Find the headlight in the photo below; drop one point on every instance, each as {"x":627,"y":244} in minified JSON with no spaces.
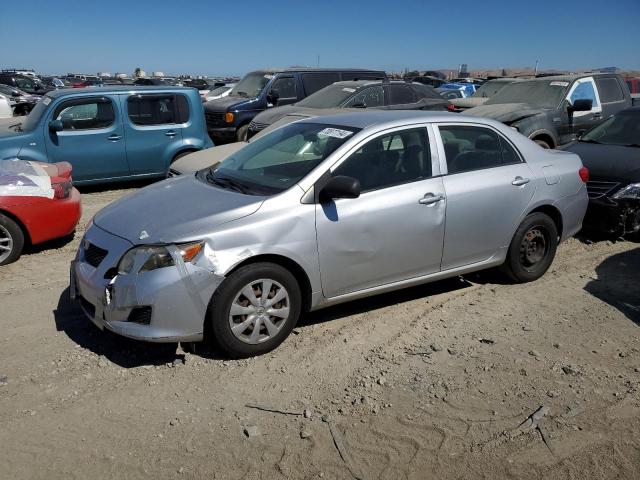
{"x":157,"y":256}
{"x":630,"y":191}
{"x":228,"y":117}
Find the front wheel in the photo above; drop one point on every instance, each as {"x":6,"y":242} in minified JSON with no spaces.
{"x":532,"y":248}
{"x":254,"y":309}
{"x":11,"y":240}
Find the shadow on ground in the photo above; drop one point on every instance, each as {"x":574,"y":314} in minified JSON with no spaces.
{"x":122,"y":351}
{"x":617,"y":283}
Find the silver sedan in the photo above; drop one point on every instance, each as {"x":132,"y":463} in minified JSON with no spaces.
{"x":322,"y":211}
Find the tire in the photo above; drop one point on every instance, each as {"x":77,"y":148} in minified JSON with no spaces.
{"x":246,"y":341}
{"x":11,"y":240}
{"x":543,"y":143}
{"x":242,"y":133}
{"x":532,"y":248}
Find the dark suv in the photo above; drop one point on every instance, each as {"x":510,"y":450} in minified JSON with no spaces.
{"x":25,"y":83}
{"x":555,"y":110}
{"x":228,"y":118}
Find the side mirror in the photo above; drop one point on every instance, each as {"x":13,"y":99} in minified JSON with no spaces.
{"x":273,"y":96}
{"x":580,"y":105}
{"x":340,"y":186}
{"x":15,"y":93}
{"x":56,"y":126}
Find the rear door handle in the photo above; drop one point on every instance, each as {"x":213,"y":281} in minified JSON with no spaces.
{"x":170,"y":133}
{"x":519,"y":181}
{"x":114,"y":137}
{"x":430,"y":199}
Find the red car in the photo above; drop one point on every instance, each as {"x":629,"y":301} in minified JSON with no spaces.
{"x":37,"y":203}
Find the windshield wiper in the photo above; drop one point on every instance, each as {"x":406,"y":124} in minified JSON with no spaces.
{"x":589,"y":141}
{"x":226,"y":182}
{"x":17,"y":126}
{"x":636,"y":145}
{"x":242,"y":94}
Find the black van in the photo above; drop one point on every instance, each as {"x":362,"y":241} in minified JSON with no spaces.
{"x":228,"y":118}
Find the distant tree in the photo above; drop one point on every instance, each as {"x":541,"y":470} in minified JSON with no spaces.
{"x":137,"y":72}
{"x":413,"y":73}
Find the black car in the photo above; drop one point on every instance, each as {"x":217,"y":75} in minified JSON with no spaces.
{"x":555,"y":110}
{"x":611,"y":152}
{"x":149,"y":81}
{"x":26,"y":83}
{"x":378,"y":94}
{"x":228,"y":118}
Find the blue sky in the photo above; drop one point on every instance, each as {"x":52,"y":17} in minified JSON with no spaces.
{"x":228,"y":37}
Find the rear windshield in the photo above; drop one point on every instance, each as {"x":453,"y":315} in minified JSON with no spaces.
{"x":539,"y":93}
{"x":621,"y":129}
{"x":328,"y":97}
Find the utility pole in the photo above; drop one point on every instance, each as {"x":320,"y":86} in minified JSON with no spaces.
{"x":535,"y":72}
{"x":318,"y":61}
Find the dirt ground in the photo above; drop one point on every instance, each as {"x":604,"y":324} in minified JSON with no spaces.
{"x":429,"y":382}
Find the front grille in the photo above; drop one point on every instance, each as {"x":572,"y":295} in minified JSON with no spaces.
{"x":94,"y":255}
{"x":140,"y":315}
{"x":597,"y":189}
{"x":215,"y":119}
{"x":88,"y":307}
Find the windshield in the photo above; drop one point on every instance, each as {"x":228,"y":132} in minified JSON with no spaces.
{"x":279,"y":160}
{"x":490,"y":88}
{"x":621,"y":129}
{"x":32,"y":120}
{"x":539,"y":93}
{"x":327,"y":97}
{"x":251,"y":84}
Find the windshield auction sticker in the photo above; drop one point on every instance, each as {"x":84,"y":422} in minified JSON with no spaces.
{"x":559,"y":84}
{"x":335,"y":133}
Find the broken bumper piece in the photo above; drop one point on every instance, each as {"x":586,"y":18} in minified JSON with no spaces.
{"x":167,"y":304}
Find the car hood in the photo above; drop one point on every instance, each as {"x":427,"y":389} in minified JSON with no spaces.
{"x":608,"y":162}
{"x":174,"y":210}
{"x":505,"y":112}
{"x":227,"y":103}
{"x":275,"y":114}
{"x":468,"y":102}
{"x":205,"y":158}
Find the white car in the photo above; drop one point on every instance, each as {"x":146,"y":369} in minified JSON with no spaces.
{"x":5,"y":107}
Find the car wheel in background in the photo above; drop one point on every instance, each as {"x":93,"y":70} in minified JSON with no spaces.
{"x":532,"y":248}
{"x":11,"y":240}
{"x":242,"y":133}
{"x":543,"y":144}
{"x":254,"y":309}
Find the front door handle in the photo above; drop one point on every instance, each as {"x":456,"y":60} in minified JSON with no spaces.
{"x":114,"y":137}
{"x":519,"y":181}
{"x":170,"y":133}
{"x":430,"y":199}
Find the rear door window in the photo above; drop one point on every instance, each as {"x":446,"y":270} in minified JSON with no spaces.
{"x":157,"y":109}
{"x":312,"y":82}
{"x":85,"y":114}
{"x":368,"y":97}
{"x":610,"y":90}
{"x":470,"y":148}
{"x":400,"y":95}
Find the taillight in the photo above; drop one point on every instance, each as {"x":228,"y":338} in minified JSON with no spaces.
{"x":62,"y":189}
{"x":584,"y":174}
{"x":451,"y":107}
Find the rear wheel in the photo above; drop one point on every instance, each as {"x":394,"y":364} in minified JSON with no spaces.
{"x":542,"y":143}
{"x":532,"y":248}
{"x":254,"y":309}
{"x":11,"y":240}
{"x":242,"y":133}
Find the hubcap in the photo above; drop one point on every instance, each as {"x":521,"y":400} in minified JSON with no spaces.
{"x":6,"y":243}
{"x":533,"y":248}
{"x":259,"y":311}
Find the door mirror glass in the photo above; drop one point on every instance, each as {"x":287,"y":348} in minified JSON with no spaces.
{"x":340,"y":186}
{"x":56,"y":126}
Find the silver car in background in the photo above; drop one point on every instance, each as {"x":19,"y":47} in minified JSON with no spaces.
{"x":322,"y":211}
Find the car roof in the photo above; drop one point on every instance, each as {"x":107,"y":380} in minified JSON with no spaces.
{"x":568,"y":77}
{"x":116,"y":89}
{"x":390,"y":118}
{"x":309,"y":69}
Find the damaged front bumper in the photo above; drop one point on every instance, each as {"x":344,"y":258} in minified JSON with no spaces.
{"x":167,"y":304}
{"x":617,"y":217}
